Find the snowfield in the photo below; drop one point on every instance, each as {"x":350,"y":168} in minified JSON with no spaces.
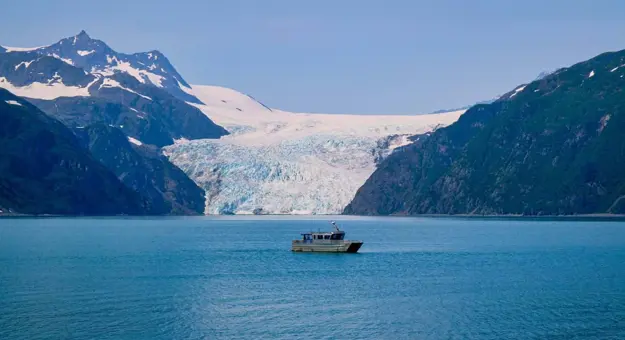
{"x":278,"y":162}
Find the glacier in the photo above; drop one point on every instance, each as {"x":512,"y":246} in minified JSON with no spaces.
{"x":278,"y":162}
{"x":317,"y":174}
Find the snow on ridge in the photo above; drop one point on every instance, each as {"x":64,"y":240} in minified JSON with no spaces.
{"x":218,"y":97}
{"x":13,"y":102}
{"x":22,"y":49}
{"x":616,"y":68}
{"x":108,"y":82}
{"x":124,"y":66}
{"x":519,"y":89}
{"x":25,"y":63}
{"x":134,"y":141}
{"x":591,"y":74}
{"x":84,"y":53}
{"x":66,"y":60}
{"x":51,"y":90}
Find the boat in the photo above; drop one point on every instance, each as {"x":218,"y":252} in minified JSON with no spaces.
{"x":325,"y":242}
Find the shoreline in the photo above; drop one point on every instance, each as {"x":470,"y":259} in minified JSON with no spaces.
{"x":515,"y":216}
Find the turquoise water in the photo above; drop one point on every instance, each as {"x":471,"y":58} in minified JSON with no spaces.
{"x":235,"y":278}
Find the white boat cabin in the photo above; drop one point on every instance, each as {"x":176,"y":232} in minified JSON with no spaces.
{"x":318,"y":236}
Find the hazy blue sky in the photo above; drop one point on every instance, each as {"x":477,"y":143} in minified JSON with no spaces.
{"x":340,"y":56}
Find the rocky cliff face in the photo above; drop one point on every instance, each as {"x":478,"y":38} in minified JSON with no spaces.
{"x":553,"y":146}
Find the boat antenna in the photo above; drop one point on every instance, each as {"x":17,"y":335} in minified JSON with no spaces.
{"x":335,"y":226}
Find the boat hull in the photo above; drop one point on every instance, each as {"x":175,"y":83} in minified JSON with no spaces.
{"x":343,"y":247}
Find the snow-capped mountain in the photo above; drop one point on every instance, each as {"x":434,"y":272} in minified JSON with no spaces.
{"x":277,"y":162}
{"x":96,"y":57}
{"x":82,"y":81}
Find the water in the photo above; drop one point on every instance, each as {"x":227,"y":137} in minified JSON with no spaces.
{"x":235,"y":278}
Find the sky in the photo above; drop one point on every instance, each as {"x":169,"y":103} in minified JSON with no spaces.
{"x":340,"y":56}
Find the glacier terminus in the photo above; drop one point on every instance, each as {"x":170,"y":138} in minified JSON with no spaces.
{"x":277,"y":162}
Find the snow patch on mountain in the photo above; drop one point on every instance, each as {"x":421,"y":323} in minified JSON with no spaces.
{"x":517,"y":90}
{"x":121,"y":66}
{"x":66,"y":60}
{"x":13,"y":102}
{"x":108,"y":82}
{"x":280,"y":162}
{"x":135,"y":141}
{"x":84,"y":53}
{"x":53,"y":89}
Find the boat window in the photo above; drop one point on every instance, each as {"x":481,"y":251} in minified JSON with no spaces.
{"x":327,"y":237}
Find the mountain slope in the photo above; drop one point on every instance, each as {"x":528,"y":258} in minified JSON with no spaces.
{"x":553,"y":146}
{"x":44,"y":170}
{"x":165,"y":188}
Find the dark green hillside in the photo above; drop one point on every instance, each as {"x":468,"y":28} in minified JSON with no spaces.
{"x":552,"y":147}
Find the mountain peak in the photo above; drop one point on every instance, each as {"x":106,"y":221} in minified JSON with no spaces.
{"x":83,"y":34}
{"x":81,"y":37}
